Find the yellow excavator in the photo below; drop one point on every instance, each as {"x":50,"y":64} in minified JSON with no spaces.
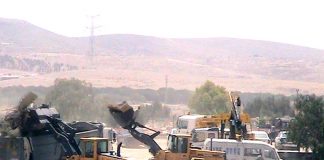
{"x":178,"y":144}
{"x":237,"y":119}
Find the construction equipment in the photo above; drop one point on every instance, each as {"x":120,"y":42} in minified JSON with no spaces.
{"x":37,"y":124}
{"x":178,"y":144}
{"x":235,"y":119}
{"x":237,"y":125}
{"x":95,"y":148}
{"x":93,"y":129}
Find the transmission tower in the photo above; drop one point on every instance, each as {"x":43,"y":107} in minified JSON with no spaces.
{"x":92,"y":36}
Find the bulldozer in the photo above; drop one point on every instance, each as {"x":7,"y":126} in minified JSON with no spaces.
{"x":178,"y":144}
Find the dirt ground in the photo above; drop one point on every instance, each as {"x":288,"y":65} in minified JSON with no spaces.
{"x":141,"y":152}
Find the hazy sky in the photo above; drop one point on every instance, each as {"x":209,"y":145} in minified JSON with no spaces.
{"x":298,"y":22}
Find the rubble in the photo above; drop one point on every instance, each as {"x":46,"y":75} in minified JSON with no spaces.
{"x":14,"y":119}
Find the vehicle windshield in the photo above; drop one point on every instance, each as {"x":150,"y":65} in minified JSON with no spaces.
{"x":102,"y":147}
{"x":177,"y":144}
{"x":284,"y":134}
{"x":182,"y":124}
{"x":261,"y":135}
{"x":198,"y":137}
{"x":270,"y":154}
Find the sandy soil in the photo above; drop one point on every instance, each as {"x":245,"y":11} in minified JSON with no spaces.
{"x":141,"y":152}
{"x":183,"y":73}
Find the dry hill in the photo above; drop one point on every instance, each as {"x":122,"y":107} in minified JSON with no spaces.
{"x":143,"y":61}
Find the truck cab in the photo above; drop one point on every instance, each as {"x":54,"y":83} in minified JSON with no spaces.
{"x":95,"y":148}
{"x":178,"y":145}
{"x":179,"y":149}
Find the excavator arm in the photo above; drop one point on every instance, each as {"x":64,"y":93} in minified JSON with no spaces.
{"x":236,"y":123}
{"x":125,"y":117}
{"x":64,"y":134}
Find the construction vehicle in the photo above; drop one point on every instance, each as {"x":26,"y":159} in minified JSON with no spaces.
{"x":178,"y":144}
{"x":43,"y":135}
{"x":95,"y":148}
{"x":236,"y":120}
{"x":93,"y":129}
{"x":186,"y":123}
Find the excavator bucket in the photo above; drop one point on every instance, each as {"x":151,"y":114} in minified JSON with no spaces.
{"x":123,"y":114}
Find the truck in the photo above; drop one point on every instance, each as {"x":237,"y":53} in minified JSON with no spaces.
{"x":186,"y":123}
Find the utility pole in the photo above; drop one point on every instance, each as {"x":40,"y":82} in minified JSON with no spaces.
{"x":166,"y":90}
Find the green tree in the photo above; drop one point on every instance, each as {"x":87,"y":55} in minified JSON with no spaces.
{"x":307,"y":129}
{"x":269,"y":106}
{"x":73,"y":98}
{"x":155,"y":112}
{"x":209,"y":99}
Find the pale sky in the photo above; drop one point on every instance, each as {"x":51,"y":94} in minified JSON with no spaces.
{"x":299,"y":22}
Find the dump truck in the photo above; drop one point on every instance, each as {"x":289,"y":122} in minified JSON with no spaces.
{"x":178,"y":144}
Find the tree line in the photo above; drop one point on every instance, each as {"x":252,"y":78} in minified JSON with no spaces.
{"x":77,"y":100}
{"x":206,"y":99}
{"x":210,"y":98}
{"x":11,"y":95}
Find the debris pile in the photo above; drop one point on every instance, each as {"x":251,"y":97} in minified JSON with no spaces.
{"x":15,"y":119}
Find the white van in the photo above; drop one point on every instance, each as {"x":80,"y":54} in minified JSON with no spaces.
{"x":242,"y":150}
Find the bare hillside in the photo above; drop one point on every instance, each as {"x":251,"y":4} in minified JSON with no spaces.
{"x":143,"y":61}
